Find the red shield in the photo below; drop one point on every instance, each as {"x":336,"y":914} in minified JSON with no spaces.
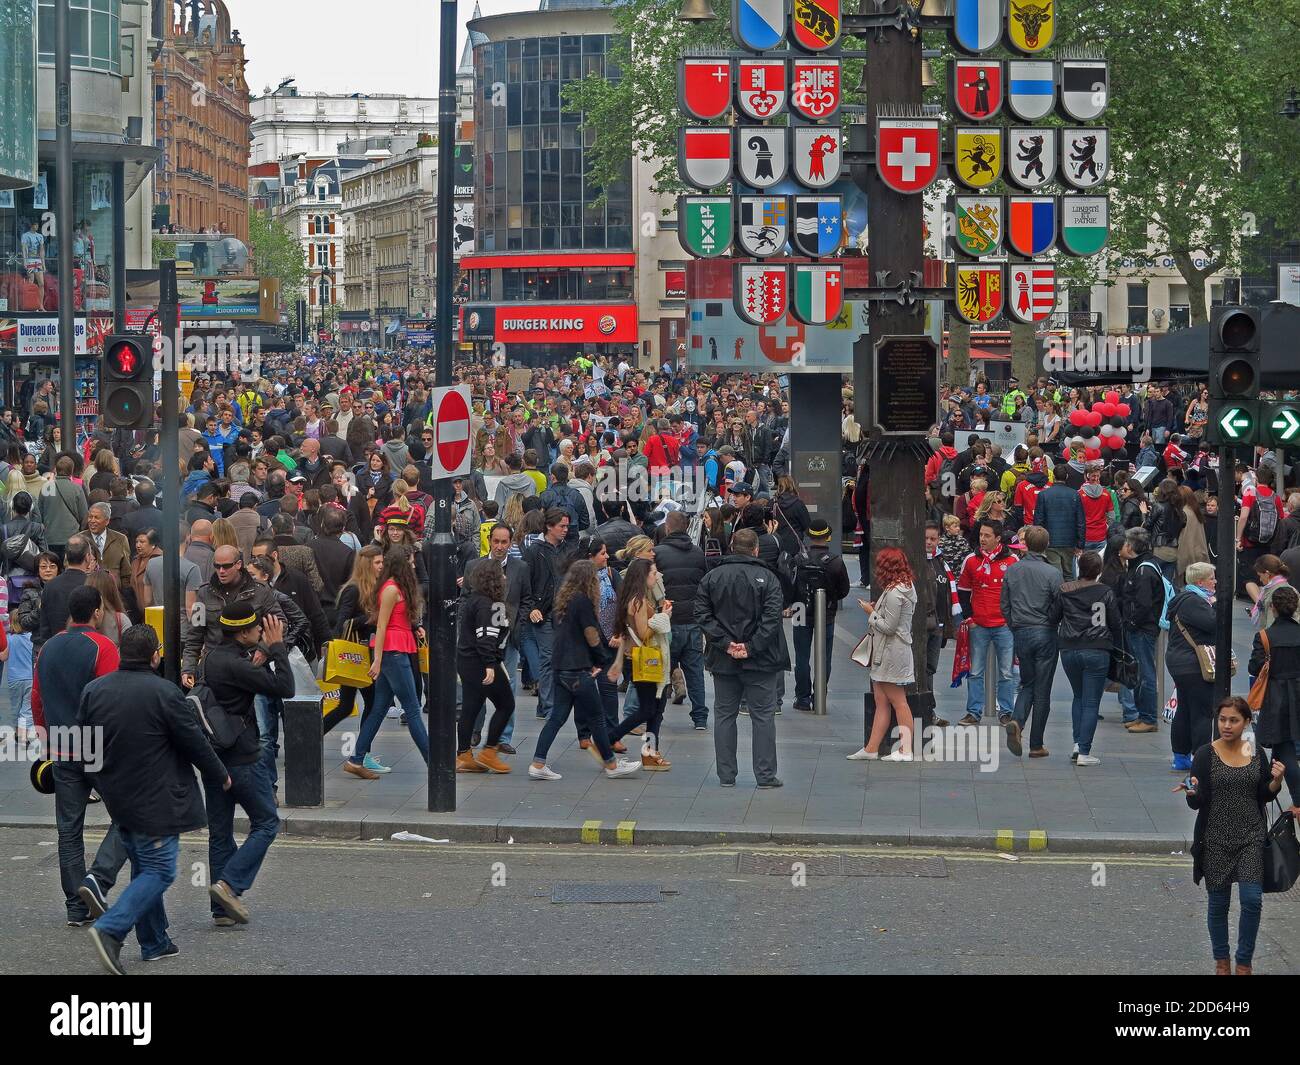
{"x":761,"y":88}
{"x":815,"y":24}
{"x":977,"y":88}
{"x":907,"y":153}
{"x":761,"y":293}
{"x":705,"y":87}
{"x":815,"y":87}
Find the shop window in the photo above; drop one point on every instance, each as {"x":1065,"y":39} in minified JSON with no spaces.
{"x":1137,"y":308}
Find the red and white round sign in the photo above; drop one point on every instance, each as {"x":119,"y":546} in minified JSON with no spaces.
{"x":451,"y":451}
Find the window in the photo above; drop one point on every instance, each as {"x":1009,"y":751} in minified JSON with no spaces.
{"x":323,"y":287}
{"x":96,"y":34}
{"x":322,"y":255}
{"x":1137,"y":308}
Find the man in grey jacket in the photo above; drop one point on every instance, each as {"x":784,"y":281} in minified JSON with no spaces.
{"x":1028,"y":592}
{"x":516,"y":482}
{"x":62,"y":506}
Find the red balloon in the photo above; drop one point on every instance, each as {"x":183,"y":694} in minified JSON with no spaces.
{"x":1115,"y":442}
{"x":1092,"y":454}
{"x":1078,"y":417}
{"x":1108,"y":410}
{"x":1123,"y":410}
{"x":1097,"y":406}
{"x":1095,"y":419}
{"x":1111,"y":397}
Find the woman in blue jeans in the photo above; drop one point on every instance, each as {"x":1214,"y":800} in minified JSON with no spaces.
{"x":394,"y":646}
{"x":1086,"y":616}
{"x":578,"y":655}
{"x":1229,"y":788}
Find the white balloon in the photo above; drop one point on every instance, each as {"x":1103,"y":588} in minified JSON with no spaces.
{"x":1107,"y":430}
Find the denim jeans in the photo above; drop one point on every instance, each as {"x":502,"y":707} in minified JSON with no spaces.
{"x":535,"y":643}
{"x":608,"y":703}
{"x":396,"y":684}
{"x":270,"y":708}
{"x":1251,"y":898}
{"x":576,"y":691}
{"x":1087,"y":672}
{"x":650,"y":712}
{"x":20,"y":703}
{"x":803,"y":640}
{"x":1036,"y":651}
{"x":71,"y":793}
{"x":512,"y":667}
{"x":1158,"y":433}
{"x":1141,"y":704}
{"x":140,"y":906}
{"x":474,"y":706}
{"x":687,"y":651}
{"x":250,"y":788}
{"x":1004,"y":644}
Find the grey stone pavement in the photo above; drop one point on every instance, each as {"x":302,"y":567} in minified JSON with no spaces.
{"x":1125,"y":803}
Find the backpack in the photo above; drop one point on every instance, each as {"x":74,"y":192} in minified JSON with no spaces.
{"x":221,"y":727}
{"x":1262,"y":523}
{"x":29,"y":610}
{"x":810,"y":575}
{"x":1169,"y":592}
{"x":945,"y":471}
{"x":20,"y":552}
{"x":565,"y":498}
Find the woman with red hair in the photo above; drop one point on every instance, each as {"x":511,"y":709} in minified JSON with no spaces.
{"x":888,"y":646}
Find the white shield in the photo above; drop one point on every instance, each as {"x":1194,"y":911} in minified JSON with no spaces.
{"x":1031,"y":156}
{"x":1085,"y":156}
{"x":817,"y":155}
{"x":763,"y":226}
{"x":761,"y":87}
{"x":761,"y":155}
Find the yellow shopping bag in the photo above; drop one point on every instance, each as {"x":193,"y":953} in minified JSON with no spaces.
{"x":648,"y":664}
{"x":331,"y":696}
{"x":347,"y":663}
{"x":424,"y":657}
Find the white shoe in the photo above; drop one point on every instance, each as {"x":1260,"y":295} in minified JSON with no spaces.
{"x":863,"y":755}
{"x":394,"y":713}
{"x":897,"y":756}
{"x":623,"y":768}
{"x":544,"y":772}
{"x":1087,"y":759}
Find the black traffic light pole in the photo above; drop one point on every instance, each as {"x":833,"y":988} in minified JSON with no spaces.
{"x":63,"y":221}
{"x":440,"y":553}
{"x":169,"y":438}
{"x":1225,"y":571}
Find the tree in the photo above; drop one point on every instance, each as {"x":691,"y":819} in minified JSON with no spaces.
{"x":1197,"y":150}
{"x":276,"y":252}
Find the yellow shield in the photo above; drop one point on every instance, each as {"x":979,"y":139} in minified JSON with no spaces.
{"x":978,"y":155}
{"x":1031,"y":25}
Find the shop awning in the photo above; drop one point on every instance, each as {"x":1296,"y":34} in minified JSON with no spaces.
{"x":140,"y":159}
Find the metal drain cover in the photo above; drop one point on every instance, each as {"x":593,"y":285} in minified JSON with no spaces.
{"x":568,"y":891}
{"x":820,"y":864}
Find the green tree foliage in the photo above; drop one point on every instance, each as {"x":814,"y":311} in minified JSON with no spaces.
{"x":276,"y":252}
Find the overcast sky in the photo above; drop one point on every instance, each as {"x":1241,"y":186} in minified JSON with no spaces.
{"x":350,"y":46}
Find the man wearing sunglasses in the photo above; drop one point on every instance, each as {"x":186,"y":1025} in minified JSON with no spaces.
{"x":229,"y":582}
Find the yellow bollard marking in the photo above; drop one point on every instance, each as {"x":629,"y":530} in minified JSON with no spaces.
{"x":1006,"y":839}
{"x":591,"y":831}
{"x":626,"y":830}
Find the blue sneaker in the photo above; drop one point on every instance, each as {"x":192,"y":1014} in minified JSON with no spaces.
{"x":1182,"y":763}
{"x":375,"y":766}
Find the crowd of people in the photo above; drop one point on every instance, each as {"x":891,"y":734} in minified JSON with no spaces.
{"x":306,"y":499}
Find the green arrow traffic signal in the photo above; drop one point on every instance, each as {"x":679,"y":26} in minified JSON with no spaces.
{"x":1285,"y":425}
{"x":1237,"y":423}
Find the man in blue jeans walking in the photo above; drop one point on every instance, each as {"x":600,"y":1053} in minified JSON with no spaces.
{"x":980,"y":590}
{"x":545,"y":560}
{"x":1029,"y":590}
{"x":1142,"y":603}
{"x":253,"y":659}
{"x":682,"y":566}
{"x":152,"y":744}
{"x":822,"y":570}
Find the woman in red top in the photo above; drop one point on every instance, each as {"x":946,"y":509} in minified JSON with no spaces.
{"x":397,"y":605}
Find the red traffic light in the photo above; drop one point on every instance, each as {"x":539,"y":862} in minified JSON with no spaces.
{"x":1237,"y":378}
{"x":128,"y":358}
{"x":124,"y":360}
{"x":1238,"y":328}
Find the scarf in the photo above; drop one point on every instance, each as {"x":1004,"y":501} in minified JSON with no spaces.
{"x":1259,"y":603}
{"x":1093,"y":491}
{"x":1204,"y":593}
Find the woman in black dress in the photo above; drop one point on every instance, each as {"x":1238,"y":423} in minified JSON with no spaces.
{"x":1277,"y":722}
{"x":1230,"y":785}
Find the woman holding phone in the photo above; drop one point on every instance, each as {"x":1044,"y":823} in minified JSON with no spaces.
{"x":638,"y":623}
{"x":1229,"y":787}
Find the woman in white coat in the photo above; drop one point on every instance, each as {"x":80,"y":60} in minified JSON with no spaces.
{"x":889,"y":654}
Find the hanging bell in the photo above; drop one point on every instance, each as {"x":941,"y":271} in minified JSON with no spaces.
{"x":934,"y":9}
{"x":927,"y":74}
{"x":696,"y":11}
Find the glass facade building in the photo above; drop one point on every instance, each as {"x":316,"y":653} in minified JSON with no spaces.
{"x":535,"y":191}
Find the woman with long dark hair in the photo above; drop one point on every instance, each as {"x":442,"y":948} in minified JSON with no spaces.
{"x":1277,"y":724}
{"x":578,"y":654}
{"x":1229,"y":787}
{"x":890,"y":660}
{"x":638,"y":624}
{"x":483,"y":631}
{"x":596,"y":551}
{"x":352,"y":621}
{"x":396,"y":611}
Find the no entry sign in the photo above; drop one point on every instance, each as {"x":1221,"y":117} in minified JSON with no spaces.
{"x":451,"y":444}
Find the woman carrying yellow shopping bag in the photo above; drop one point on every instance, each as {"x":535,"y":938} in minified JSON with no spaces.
{"x":644,"y":637}
{"x":355,"y":621}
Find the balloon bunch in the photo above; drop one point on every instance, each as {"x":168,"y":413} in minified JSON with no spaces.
{"x":1101,"y":428}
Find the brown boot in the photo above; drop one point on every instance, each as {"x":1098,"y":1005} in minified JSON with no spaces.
{"x":1222,"y":967}
{"x":489,"y":759}
{"x":465,"y":763}
{"x":1243,"y":970}
{"x":359,"y":771}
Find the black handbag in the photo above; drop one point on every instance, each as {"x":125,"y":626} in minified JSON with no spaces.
{"x":1123,"y":668}
{"x":1281,"y":855}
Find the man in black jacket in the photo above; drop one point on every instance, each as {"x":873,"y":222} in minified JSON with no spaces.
{"x":545,"y":564}
{"x":151,"y":746}
{"x":826,"y":570}
{"x":334,"y":559}
{"x":738,"y":607}
{"x":147,"y":516}
{"x":1142,"y":602}
{"x":77,"y":562}
{"x":682,"y":565}
{"x":235,"y":671}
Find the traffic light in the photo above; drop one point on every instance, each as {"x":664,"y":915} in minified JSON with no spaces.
{"x":126,"y":382}
{"x":1234,"y":376}
{"x":1280,"y":423}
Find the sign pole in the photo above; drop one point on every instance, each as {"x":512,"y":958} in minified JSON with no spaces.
{"x":169,"y":422}
{"x":440,"y":552}
{"x":63,"y":222}
{"x":1225,"y":573}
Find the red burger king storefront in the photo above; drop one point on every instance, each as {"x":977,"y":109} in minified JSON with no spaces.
{"x":538,"y":334}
